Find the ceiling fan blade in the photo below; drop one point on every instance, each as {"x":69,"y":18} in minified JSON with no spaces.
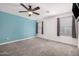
{"x":23,"y":6}
{"x":36,"y":13}
{"x":22,"y":11}
{"x":30,"y":7}
{"x":36,"y":8}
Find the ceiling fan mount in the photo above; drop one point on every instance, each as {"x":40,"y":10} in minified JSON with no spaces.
{"x":30,"y":10}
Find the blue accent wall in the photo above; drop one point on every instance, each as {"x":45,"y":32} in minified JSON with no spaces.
{"x":14,"y":27}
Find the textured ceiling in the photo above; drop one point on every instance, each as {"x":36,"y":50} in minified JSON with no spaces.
{"x":46,"y":9}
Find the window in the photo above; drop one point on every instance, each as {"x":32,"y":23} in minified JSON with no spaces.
{"x":66,"y":26}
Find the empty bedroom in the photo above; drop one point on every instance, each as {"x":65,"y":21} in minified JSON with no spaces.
{"x":39,"y":29}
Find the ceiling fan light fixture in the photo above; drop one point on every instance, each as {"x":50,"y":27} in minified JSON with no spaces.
{"x":29,"y":12}
{"x":29,"y":9}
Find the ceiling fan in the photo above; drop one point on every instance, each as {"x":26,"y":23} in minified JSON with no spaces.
{"x":29,"y":9}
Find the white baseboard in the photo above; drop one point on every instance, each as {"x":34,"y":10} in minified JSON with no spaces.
{"x":62,"y":39}
{"x":17,"y":40}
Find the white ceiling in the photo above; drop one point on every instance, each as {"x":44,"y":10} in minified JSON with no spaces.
{"x":46,"y":9}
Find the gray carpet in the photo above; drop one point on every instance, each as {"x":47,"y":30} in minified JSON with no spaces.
{"x":38,"y":47}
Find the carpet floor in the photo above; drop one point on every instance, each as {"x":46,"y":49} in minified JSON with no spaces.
{"x":38,"y":47}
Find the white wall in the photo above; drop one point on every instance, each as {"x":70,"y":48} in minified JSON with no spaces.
{"x":50,"y":31}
